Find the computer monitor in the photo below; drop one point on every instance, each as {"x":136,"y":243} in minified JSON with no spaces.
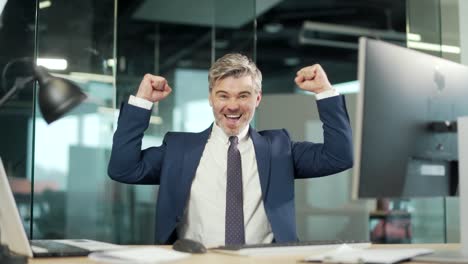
{"x":407,"y":109}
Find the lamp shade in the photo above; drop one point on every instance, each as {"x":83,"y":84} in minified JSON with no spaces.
{"x":56,"y":95}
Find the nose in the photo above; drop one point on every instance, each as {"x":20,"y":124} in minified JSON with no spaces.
{"x":233,"y":105}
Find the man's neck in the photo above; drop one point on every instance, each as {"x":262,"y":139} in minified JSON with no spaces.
{"x":219,"y":132}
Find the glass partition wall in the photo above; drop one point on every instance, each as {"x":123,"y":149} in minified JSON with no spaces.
{"x":58,"y":172}
{"x":436,"y":219}
{"x":18,"y":27}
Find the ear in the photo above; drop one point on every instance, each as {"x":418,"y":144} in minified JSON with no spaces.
{"x":210,"y":100}
{"x":258,"y":99}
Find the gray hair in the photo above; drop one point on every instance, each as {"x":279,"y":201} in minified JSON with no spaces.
{"x":235,"y":65}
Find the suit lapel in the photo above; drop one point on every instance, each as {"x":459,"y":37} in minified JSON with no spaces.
{"x":262,"y":154}
{"x":193,"y":151}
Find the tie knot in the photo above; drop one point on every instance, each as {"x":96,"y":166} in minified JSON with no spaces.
{"x":234,"y":140}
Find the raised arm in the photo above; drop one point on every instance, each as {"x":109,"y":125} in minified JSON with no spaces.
{"x":336,"y":153}
{"x":128,"y":163}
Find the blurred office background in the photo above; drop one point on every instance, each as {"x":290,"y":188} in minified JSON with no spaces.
{"x":58,"y":171}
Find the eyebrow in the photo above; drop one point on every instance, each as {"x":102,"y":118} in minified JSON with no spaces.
{"x":221,"y":92}
{"x":225,"y":92}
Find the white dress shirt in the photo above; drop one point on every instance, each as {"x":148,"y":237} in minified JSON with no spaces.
{"x":204,"y":215}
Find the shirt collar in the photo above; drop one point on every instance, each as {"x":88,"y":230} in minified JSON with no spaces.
{"x":218,"y":133}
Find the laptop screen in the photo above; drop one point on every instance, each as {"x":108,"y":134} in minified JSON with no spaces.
{"x":12,"y":232}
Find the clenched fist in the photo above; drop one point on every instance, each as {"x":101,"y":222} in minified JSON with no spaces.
{"x":153,"y":88}
{"x":313,"y":79}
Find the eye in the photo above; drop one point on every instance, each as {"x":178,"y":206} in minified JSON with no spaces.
{"x":244,"y":96}
{"x":222,"y":96}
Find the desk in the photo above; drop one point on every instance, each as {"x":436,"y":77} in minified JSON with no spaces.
{"x":212,"y":258}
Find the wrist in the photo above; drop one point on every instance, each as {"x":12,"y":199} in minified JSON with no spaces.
{"x":325,"y":88}
{"x":141,"y":96}
{"x":140,"y":102}
{"x":326,"y":94}
{"x":321,"y":90}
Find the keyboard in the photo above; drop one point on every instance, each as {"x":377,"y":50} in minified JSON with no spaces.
{"x":51,"y":248}
{"x":290,"y":248}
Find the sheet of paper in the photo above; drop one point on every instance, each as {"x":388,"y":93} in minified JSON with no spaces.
{"x":141,"y":255}
{"x":346,"y":254}
{"x":90,"y":245}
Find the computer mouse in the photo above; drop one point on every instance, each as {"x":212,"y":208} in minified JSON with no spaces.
{"x":189,"y":246}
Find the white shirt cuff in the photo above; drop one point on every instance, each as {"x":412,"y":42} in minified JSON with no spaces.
{"x":140,"y":102}
{"x":326,"y":94}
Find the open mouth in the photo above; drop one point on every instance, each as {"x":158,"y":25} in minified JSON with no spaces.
{"x":233,"y":117}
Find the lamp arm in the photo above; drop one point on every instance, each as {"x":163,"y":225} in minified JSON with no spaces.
{"x":19,"y":85}
{"x":26,"y":60}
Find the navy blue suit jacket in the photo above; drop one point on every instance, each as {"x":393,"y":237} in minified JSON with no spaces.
{"x":280,"y":160}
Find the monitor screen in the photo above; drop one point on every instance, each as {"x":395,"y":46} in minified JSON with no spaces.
{"x":406,"y":142}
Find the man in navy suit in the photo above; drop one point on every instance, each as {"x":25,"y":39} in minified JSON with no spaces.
{"x":229,"y":184}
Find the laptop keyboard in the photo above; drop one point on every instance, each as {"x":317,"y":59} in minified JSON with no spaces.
{"x":54,"y":248}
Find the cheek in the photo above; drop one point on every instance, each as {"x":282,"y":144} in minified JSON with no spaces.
{"x":217,"y":106}
{"x":248,"y":109}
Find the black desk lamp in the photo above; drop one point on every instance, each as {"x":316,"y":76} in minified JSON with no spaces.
{"x":57,"y":95}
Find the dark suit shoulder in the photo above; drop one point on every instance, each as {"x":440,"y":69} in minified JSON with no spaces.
{"x":177,"y":134}
{"x":187,"y":137}
{"x":273,"y":133}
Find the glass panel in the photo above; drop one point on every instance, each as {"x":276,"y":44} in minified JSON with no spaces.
{"x":293,"y":34}
{"x":17,"y":41}
{"x":168,"y":39}
{"x":434,"y":220}
{"x":73,"y":195}
{"x":74,"y":198}
{"x":423,"y":30}
{"x":438,"y":36}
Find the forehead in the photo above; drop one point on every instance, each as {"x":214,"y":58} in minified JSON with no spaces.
{"x":234,"y":84}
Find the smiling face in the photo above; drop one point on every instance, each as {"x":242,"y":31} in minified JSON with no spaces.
{"x":234,"y":101}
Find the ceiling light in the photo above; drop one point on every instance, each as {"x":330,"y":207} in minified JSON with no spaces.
{"x":413,"y":37}
{"x":110,"y":63}
{"x":86,"y":77}
{"x":53,"y":64}
{"x":44,"y":4}
{"x":433,"y":47}
{"x":347,"y":30}
{"x":308,"y":34}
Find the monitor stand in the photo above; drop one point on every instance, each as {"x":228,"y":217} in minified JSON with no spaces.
{"x":457,"y":256}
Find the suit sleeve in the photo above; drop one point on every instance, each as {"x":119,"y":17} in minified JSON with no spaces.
{"x":336,"y":153}
{"x":128,"y":163}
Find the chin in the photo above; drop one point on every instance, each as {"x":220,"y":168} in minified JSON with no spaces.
{"x":231,"y":131}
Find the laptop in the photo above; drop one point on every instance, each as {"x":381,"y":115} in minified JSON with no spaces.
{"x":13,"y":235}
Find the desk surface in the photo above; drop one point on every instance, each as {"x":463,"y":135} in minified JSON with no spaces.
{"x":212,"y":258}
